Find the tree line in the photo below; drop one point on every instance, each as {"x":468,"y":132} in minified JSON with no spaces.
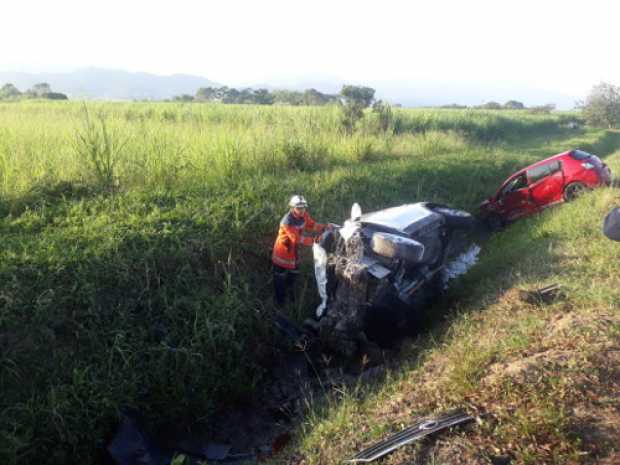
{"x":601,"y":107}
{"x":352,"y":101}
{"x":509,"y":105}
{"x":41,"y":90}
{"x":258,"y":96}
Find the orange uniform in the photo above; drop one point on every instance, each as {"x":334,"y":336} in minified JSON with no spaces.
{"x":294,"y":230}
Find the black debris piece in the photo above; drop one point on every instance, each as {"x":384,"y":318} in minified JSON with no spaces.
{"x":132,"y":446}
{"x":611,"y":225}
{"x":500,"y":459}
{"x":418,"y":430}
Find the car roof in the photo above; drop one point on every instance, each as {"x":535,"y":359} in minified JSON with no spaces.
{"x":541,"y":162}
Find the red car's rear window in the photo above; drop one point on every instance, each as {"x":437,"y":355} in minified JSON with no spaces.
{"x":580,"y":155}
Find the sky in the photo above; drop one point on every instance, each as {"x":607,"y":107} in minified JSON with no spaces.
{"x":567,"y":46}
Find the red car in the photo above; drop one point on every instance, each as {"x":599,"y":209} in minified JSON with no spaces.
{"x":559,"y":178}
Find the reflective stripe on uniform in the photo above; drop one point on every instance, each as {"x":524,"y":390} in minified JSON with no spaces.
{"x":283,"y":261}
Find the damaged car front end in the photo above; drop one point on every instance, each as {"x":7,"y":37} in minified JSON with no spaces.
{"x":380,"y":270}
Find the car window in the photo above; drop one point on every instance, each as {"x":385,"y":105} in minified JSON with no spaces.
{"x":542,"y":171}
{"x":515,"y":184}
{"x":580,"y":155}
{"x":554,"y":167}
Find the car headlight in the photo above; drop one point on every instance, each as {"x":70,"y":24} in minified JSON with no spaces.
{"x":587,"y":165}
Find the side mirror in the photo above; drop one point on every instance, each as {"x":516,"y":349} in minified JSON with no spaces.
{"x":356,"y":212}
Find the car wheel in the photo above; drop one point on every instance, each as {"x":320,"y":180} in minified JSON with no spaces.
{"x":455,"y":219}
{"x":574,"y":190}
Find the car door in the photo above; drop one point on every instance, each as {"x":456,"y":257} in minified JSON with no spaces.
{"x":546,"y":184}
{"x":515,"y":198}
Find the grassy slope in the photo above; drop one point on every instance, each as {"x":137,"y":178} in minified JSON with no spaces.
{"x":152,"y":296}
{"x":547,"y":375}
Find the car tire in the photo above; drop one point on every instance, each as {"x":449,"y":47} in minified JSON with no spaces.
{"x":574,"y":190}
{"x":455,"y":219}
{"x":396,"y":247}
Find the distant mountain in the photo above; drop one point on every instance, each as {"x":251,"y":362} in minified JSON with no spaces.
{"x":106,"y":84}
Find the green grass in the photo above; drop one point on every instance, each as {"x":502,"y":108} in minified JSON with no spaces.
{"x":135,"y":248}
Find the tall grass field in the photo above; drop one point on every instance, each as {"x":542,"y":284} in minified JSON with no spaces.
{"x":134,"y":266}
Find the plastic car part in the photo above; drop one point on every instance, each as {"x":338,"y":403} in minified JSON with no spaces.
{"x":418,"y":430}
{"x":611,"y":225}
{"x":349,"y":228}
{"x":375,"y":268}
{"x":457,"y":219}
{"x":398,"y":247}
{"x":320,"y":273}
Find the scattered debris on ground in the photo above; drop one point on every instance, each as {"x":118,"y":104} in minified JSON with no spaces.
{"x":418,"y":430}
{"x":132,"y":445}
{"x":545,"y":295}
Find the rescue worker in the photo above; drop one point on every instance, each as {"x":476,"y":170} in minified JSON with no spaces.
{"x":296,"y":228}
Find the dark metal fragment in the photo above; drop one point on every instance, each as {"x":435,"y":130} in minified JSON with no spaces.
{"x":419,"y":429}
{"x":545,"y":295}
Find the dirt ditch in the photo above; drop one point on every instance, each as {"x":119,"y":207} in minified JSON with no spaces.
{"x":299,"y":376}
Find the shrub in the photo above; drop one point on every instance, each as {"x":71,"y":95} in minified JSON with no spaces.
{"x":100,"y":149}
{"x":383,"y":114}
{"x":356,"y":99}
{"x":602,"y":107}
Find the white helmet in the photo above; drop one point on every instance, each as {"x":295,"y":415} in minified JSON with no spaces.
{"x":297,"y":201}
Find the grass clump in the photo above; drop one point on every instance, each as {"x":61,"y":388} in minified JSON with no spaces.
{"x":100,"y":149}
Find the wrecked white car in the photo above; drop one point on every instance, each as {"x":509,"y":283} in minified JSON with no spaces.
{"x":377,"y":272}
